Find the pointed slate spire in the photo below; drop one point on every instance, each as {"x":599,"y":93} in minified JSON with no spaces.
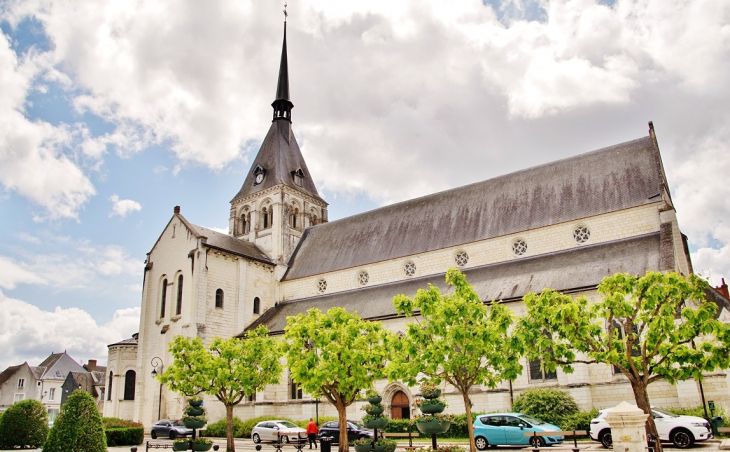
{"x":282,"y":105}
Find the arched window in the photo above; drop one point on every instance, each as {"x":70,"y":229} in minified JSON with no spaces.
{"x":130,"y":379}
{"x":293,"y":220}
{"x":256,"y":306}
{"x":244,"y":223}
{"x":164,"y":298}
{"x":219,"y":298}
{"x":178,"y":309}
{"x":111,"y":380}
{"x":265,"y":214}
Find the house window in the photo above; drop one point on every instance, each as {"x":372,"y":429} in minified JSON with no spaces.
{"x":219,"y":298}
{"x":129,"y":380}
{"x":295,"y":391}
{"x":52,"y":394}
{"x":18,"y":397}
{"x":52,"y":413}
{"x":111,"y":380}
{"x":21,"y":383}
{"x":164,"y":298}
{"x":256,"y":305}
{"x":178,"y":309}
{"x":298,"y":177}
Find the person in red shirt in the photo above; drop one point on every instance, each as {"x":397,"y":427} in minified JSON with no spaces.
{"x":312,"y":433}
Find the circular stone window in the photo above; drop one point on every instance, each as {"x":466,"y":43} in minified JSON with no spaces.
{"x":519,"y":247}
{"x":461,"y":258}
{"x":321,"y":285}
{"x":581,"y":234}
{"x":363,"y":277}
{"x":409,"y":268}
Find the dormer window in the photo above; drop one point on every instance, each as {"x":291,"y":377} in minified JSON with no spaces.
{"x":298,"y":176}
{"x":258,"y":174}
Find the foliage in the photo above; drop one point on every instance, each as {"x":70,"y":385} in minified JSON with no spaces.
{"x":458,"y":340}
{"x":578,"y":421}
{"x":548,"y":404}
{"x":218,"y":429}
{"x":389,"y":445}
{"x":362,"y":441}
{"x":371,"y":393}
{"x":230,"y":369}
{"x":429,"y":389}
{"x":124,"y":436}
{"x":78,"y":426}
{"x":444,"y":449}
{"x":200,"y":440}
{"x":115,"y":422}
{"x":436,"y":401}
{"x":24,"y":424}
{"x":335,"y":355}
{"x":654,"y":327}
{"x":699,"y":411}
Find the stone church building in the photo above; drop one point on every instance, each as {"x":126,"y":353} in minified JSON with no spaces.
{"x":563,"y":225}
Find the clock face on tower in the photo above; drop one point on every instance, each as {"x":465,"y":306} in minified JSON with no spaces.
{"x":259,"y":178}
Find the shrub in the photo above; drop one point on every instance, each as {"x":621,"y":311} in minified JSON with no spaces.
{"x":78,"y":426}
{"x":218,"y":429}
{"x":547,"y":404}
{"x":24,"y":424}
{"x":115,"y":422}
{"x":124,"y":436}
{"x":699,"y":411}
{"x":388,"y":444}
{"x":578,"y":421}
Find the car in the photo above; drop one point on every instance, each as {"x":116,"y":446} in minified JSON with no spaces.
{"x":277,"y":431}
{"x":170,"y":428}
{"x":354,"y":431}
{"x":508,"y":429}
{"x":683,"y":431}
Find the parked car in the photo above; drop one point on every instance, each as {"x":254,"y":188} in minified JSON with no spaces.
{"x":170,"y":428}
{"x":354,"y":431}
{"x":683,"y":431}
{"x":277,"y":431}
{"x":503,"y":429}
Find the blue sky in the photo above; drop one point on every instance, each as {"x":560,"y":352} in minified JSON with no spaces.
{"x":112,"y":113}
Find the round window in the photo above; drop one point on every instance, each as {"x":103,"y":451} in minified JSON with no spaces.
{"x":519,"y":247}
{"x":321,"y":285}
{"x":581,"y":234}
{"x":409,"y":268}
{"x":363,"y":277}
{"x":461,"y":258}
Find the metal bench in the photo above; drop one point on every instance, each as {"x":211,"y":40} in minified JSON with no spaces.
{"x":574,"y":433}
{"x":299,"y":442}
{"x":151,"y":445}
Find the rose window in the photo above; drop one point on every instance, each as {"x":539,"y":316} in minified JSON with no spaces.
{"x":519,"y":247}
{"x":581,"y":234}
{"x":461,"y":258}
{"x":321,"y":285}
{"x":363,"y":277}
{"x":409,"y":268}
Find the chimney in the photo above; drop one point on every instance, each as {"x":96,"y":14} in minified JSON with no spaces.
{"x":723,"y":289}
{"x":177,"y":209}
{"x":91,"y":366}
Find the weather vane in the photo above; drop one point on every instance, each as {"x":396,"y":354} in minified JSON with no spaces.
{"x":285,"y":13}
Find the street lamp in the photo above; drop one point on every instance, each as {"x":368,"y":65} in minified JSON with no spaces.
{"x":157,"y":362}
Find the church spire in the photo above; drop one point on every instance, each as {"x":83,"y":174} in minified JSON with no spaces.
{"x":282,"y":105}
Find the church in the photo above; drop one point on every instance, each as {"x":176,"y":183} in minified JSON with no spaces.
{"x":563,"y":225}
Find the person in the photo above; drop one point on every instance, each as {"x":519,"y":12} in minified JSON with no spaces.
{"x":312,"y":433}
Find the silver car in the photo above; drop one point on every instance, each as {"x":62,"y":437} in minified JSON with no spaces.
{"x":277,"y":431}
{"x":169,"y":428}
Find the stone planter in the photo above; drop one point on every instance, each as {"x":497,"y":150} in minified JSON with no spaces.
{"x":376,"y":423}
{"x":434,"y":395}
{"x":195,"y":402}
{"x":362,"y":447}
{"x":375,"y":410}
{"x":202,"y":447}
{"x":375,"y":400}
{"x":194,"y":423}
{"x":431,"y":408}
{"x":180,"y":446}
{"x":194,"y":411}
{"x":433,"y":426}
{"x":378,"y":448}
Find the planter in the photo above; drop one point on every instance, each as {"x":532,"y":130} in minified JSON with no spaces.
{"x":195,"y":402}
{"x":375,"y":410}
{"x":194,"y":411}
{"x":202,"y":447}
{"x":378,"y":448}
{"x":180,"y":446}
{"x":433,"y":426}
{"x":194,"y":423}
{"x":431,"y":408}
{"x":362,"y":447}
{"x":433,"y":395}
{"x":376,"y":423}
{"x":375,"y":400}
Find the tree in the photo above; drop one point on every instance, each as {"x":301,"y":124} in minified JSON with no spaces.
{"x":335,"y":355}
{"x":77,"y":427}
{"x":457,"y":339}
{"x":24,"y":424}
{"x":230,"y":369}
{"x":650,"y":328}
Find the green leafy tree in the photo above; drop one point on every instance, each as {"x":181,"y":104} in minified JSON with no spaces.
{"x":335,"y":355}
{"x":655,"y":327}
{"x":230,"y":369}
{"x":457,"y":339}
{"x":547,"y":404}
{"x":24,"y":424}
{"x":78,"y":426}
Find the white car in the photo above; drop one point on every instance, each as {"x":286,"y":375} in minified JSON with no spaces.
{"x":683,"y":431}
{"x":277,"y":431}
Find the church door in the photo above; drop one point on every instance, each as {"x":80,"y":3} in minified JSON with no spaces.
{"x":400,"y":408}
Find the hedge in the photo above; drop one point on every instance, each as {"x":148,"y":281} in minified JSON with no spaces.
{"x":124,"y":436}
{"x":24,"y":424}
{"x":78,"y":426}
{"x":547,"y":404}
{"x":242,"y":429}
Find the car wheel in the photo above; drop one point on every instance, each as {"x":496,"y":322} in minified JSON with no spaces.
{"x":682,"y":438}
{"x":153,"y":434}
{"x":256,"y":438}
{"x":481,"y":442}
{"x":606,"y":439}
{"x":285,"y":439}
{"x":536,"y":441}
{"x":173,"y":435}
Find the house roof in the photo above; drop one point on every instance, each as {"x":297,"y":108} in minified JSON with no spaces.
{"x":579,"y":268}
{"x":8,"y":372}
{"x":610,"y":179}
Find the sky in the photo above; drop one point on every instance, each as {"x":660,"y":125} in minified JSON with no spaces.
{"x":112,"y":112}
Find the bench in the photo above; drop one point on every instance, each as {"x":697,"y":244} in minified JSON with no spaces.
{"x":573,"y":433}
{"x":725,"y":443}
{"x":151,"y":445}
{"x":409,"y":435}
{"x":298,"y":442}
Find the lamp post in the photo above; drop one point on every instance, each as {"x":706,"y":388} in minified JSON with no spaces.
{"x":157,"y":362}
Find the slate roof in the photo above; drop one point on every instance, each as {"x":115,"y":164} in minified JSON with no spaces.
{"x":8,"y":372}
{"x":579,"y":268}
{"x":610,"y":179}
{"x":51,"y":360}
{"x":130,"y":341}
{"x":228,"y":243}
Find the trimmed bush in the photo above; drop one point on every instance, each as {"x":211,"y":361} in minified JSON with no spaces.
{"x":547,"y":404}
{"x":124,"y":436}
{"x":24,"y":425}
{"x":78,"y":426}
{"x":578,"y":421}
{"x":218,"y":429}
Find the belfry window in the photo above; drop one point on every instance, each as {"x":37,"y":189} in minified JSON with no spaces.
{"x":298,"y":176}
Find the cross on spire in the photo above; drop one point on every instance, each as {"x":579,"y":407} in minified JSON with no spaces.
{"x":285,"y":13}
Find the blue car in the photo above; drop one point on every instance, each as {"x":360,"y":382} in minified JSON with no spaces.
{"x":508,"y":429}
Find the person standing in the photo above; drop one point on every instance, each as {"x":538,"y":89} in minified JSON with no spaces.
{"x":312,"y":433}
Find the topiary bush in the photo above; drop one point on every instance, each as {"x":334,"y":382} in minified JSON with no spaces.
{"x":578,"y":421}
{"x":78,"y":426}
{"x":547,"y":404}
{"x":24,"y":425}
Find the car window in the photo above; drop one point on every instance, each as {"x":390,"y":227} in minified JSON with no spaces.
{"x":178,"y":423}
{"x":334,"y":424}
{"x":355,"y":425}
{"x":287,"y":424}
{"x":511,"y":421}
{"x":494,"y":421}
{"x":267,"y":425}
{"x":531,"y":420}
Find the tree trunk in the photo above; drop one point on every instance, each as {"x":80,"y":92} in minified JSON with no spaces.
{"x":342,"y":415}
{"x":469,"y":421}
{"x":230,"y":445}
{"x":642,"y":402}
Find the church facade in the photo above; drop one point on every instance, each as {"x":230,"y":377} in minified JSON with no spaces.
{"x":563,"y":225}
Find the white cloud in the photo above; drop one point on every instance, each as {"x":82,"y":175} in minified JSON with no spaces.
{"x":123,"y":207}
{"x":12,"y":274}
{"x":28,"y":333}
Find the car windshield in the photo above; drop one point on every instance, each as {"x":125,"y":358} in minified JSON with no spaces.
{"x":662,"y":413}
{"x":178,"y":423}
{"x":287,"y":424}
{"x":531,"y":420}
{"x":355,"y":424}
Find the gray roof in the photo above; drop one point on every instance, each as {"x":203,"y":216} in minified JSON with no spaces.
{"x":280,"y":157}
{"x":8,"y":372}
{"x":610,"y":179}
{"x":225,"y":242}
{"x":130,"y":341}
{"x":582,"y":267}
